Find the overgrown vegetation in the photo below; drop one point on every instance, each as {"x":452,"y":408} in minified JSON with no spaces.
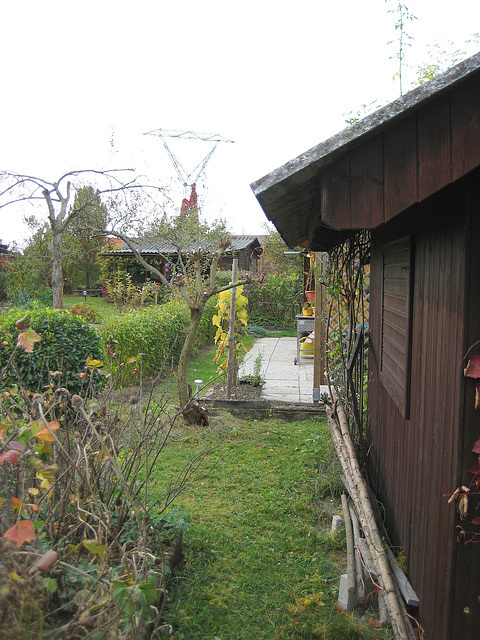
{"x":91,"y":518}
{"x":85,"y":552}
{"x":276,"y":299}
{"x":126,"y":295}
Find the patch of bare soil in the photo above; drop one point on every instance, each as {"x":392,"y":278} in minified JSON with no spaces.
{"x":245,"y":392}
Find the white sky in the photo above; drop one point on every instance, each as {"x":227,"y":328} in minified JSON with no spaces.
{"x":276,"y":77}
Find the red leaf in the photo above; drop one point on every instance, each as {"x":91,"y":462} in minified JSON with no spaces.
{"x":476,"y":521}
{"x":45,"y":563}
{"x":17,"y":445}
{"x":21,"y":532}
{"x":472,"y":370}
{"x":476,"y":447}
{"x":9,"y":456}
{"x":473,"y":470}
{"x":477,"y":396}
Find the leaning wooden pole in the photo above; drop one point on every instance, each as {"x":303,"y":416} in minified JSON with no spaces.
{"x":338,"y":422}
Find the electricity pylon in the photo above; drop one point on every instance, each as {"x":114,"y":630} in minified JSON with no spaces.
{"x":186,"y":178}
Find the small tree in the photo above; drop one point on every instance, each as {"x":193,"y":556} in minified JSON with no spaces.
{"x":89,"y":220}
{"x":192,"y":276}
{"x":19,"y":188}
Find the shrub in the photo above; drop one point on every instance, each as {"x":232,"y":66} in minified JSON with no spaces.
{"x":86,"y":493}
{"x":27,"y":299}
{"x":273,"y":303}
{"x":206,"y":330}
{"x":65,"y":344}
{"x":84,"y":310}
{"x":157,"y":332}
{"x":3,"y":286}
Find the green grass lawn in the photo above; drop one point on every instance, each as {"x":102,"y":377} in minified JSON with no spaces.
{"x":260,"y":562}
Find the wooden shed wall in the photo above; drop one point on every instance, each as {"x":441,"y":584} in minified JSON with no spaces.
{"x":415,"y":462}
{"x":467,"y":560}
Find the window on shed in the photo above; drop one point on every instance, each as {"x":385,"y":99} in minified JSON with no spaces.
{"x":396,"y":322}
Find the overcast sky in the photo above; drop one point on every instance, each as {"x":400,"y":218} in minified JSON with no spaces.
{"x":83,"y":81}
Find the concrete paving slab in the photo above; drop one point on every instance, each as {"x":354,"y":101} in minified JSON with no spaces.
{"x":285,"y":381}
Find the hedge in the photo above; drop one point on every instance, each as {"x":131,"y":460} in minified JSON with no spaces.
{"x":66,"y":343}
{"x":158,"y":332}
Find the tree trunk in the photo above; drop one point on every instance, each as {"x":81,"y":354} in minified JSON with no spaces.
{"x":195,"y":317}
{"x":57,"y":273}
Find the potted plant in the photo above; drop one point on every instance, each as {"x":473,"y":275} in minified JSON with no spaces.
{"x":308,"y":309}
{"x":310,"y":296}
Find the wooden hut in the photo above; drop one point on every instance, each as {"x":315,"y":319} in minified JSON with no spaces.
{"x":245,"y":247}
{"x":410,"y":173}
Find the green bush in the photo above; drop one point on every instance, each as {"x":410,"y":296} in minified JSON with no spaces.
{"x":206,"y":330}
{"x":85,"y":310}
{"x":274,"y":302}
{"x":66,"y":343}
{"x":158,"y":332}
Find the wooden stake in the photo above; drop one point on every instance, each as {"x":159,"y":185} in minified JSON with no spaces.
{"x":351,"y":573}
{"x":231,"y":333}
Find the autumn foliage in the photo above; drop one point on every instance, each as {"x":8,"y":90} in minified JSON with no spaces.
{"x":80,"y":552}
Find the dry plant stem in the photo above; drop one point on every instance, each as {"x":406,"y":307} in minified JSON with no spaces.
{"x":401,"y":625}
{"x":113,"y":462}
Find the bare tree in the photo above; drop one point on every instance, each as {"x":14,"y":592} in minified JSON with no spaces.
{"x":18,"y":188}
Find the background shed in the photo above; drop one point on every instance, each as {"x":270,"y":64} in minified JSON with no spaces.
{"x":246,"y":248}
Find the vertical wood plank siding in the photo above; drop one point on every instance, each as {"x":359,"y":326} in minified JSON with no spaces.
{"x":395,"y":337}
{"x":414,"y":463}
{"x":402,"y":166}
{"x":466,"y":588}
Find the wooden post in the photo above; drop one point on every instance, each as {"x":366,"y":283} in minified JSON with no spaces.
{"x":319,"y":346}
{"x":231,"y":333}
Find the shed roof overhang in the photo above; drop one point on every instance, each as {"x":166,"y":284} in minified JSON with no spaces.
{"x":381,"y":165}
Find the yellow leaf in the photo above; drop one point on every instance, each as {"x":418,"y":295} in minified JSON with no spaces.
{"x":33,"y":491}
{"x":45,"y":485}
{"x":27,"y":339}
